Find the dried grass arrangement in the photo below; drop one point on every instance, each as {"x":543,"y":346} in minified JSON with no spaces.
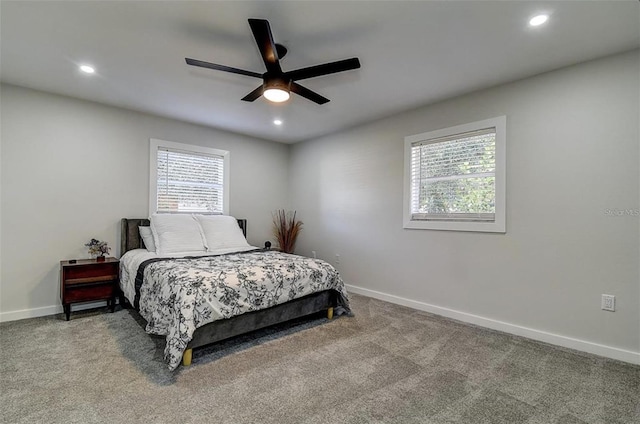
{"x":286,"y":229}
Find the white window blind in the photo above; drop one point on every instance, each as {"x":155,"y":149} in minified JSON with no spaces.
{"x":453,"y":178}
{"x":189,"y":182}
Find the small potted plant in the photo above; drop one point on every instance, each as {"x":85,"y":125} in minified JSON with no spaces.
{"x":98,"y":249}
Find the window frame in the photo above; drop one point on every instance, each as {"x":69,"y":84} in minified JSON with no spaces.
{"x":156,"y":144}
{"x":499,"y":223}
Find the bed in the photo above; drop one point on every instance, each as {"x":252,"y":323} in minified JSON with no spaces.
{"x":174,"y":293}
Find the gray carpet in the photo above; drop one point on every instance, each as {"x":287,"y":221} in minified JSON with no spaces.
{"x":388,"y":364}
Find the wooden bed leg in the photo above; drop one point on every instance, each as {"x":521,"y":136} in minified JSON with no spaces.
{"x":186,"y":357}
{"x":330,"y":313}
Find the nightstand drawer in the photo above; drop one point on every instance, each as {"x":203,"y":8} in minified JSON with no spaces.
{"x":89,"y":292}
{"x":78,"y":274}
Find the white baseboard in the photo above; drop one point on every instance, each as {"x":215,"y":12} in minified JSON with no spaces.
{"x":543,"y":336}
{"x":47,"y":310}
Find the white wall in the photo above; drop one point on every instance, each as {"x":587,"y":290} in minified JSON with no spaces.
{"x":72,"y":169}
{"x":572,"y":153}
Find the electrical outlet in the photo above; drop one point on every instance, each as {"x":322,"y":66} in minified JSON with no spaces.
{"x":608,"y":302}
{"x":337,"y":259}
{"x":313,"y":252}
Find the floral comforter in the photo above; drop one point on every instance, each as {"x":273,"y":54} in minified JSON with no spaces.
{"x":177,"y":295}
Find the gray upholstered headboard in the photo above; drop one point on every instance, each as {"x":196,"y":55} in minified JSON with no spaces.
{"x":130,"y":235}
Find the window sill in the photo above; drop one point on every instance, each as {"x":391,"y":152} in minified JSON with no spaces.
{"x":482,"y":227}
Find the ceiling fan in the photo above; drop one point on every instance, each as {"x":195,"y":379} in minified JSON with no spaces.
{"x":277,"y":84}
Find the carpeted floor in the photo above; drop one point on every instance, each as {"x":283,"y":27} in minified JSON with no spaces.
{"x":388,"y":364}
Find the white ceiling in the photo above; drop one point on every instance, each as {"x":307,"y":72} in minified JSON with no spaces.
{"x":412,"y":53}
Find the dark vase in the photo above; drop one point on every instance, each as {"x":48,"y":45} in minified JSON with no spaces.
{"x":100,"y":258}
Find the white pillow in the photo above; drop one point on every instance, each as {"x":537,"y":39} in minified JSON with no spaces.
{"x":222,"y":232}
{"x":175,"y":233}
{"x":147,"y":237}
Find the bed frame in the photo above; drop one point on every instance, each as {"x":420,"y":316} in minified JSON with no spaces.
{"x":241,"y":324}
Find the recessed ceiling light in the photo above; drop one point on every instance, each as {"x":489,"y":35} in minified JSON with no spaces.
{"x":277,"y":121}
{"x":87,"y":69}
{"x":538,"y":20}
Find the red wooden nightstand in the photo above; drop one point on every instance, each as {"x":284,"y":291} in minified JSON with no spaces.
{"x":88,"y":280}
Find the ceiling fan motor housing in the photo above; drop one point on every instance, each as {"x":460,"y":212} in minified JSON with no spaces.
{"x":278,"y":83}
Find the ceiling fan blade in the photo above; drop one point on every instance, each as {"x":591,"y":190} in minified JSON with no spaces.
{"x":200,"y":63}
{"x":308,"y":94}
{"x":264,"y":39}
{"x":325,"y":69}
{"x":254,"y":94}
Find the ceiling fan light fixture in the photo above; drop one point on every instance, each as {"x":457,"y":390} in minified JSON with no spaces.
{"x":276,"y":95}
{"x":276,"y":90}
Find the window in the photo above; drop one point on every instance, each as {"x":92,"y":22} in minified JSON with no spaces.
{"x":455,"y":178}
{"x":187,"y":179}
